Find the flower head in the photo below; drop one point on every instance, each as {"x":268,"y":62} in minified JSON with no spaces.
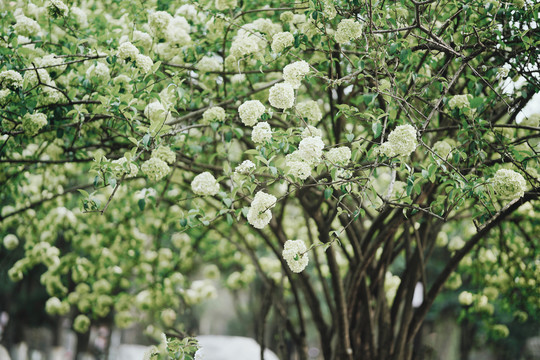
{"x":155,"y":168}
{"x":281,"y":96}
{"x":282,"y":40}
{"x":295,"y":253}
{"x":205,"y":184}
{"x":259,"y":214}
{"x":295,"y":72}
{"x":347,"y":30}
{"x":261,"y":133}
{"x":250,"y":112}
{"x":401,"y":141}
{"x":509,"y":184}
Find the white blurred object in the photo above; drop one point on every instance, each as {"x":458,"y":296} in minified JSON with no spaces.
{"x":418,"y":296}
{"x":232,"y":348}
{"x":4,"y":354}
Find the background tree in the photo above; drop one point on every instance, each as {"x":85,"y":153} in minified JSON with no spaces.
{"x":343,"y":151}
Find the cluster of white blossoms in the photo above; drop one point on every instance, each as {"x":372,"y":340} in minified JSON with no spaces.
{"x":297,"y":167}
{"x":533,"y":120}
{"x":144,"y":63}
{"x":259,"y":214}
{"x":98,"y":71}
{"x":282,"y":40}
{"x":222,"y":5}
{"x":465,"y":298}
{"x":391,"y":285}
{"x":81,"y":323}
{"x":54,"y":306}
{"x":127,"y":51}
{"x":310,"y":150}
{"x":347,"y":30}
{"x":442,"y":148}
{"x":459,"y":101}
{"x":143,"y":39}
{"x":209,"y":64}
{"x":32,"y":123}
{"x":246,"y":43}
{"x":311,"y":131}
{"x":310,"y":110}
{"x":119,"y":168}
{"x":339,"y":155}
{"x":294,"y":73}
{"x":31,"y":77}
{"x":261,"y":133}
{"x":281,"y":96}
{"x":155,"y":168}
{"x":164,"y":153}
{"x":295,"y":253}
{"x":56,"y":8}
{"x":329,"y":10}
{"x":10,"y":79}
{"x":155,"y":112}
{"x":214,"y":114}
{"x":205,"y":184}
{"x":26,"y":26}
{"x":177,"y":31}
{"x":509,"y":184}
{"x":250,"y":112}
{"x":11,"y":241}
{"x":401,"y":141}
{"x":245,"y":167}
{"x":79,"y":15}
{"x":158,"y":22}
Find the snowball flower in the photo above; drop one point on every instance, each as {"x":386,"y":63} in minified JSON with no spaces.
{"x":31,"y":77}
{"x":465,"y":298}
{"x":401,"y":141}
{"x":127,"y":51}
{"x":144,"y":63}
{"x":32,"y":123}
{"x":245,"y":167}
{"x":310,"y":110}
{"x":11,"y":241}
{"x":533,"y":120}
{"x":79,"y":15}
{"x":99,"y":71}
{"x":250,"y":111}
{"x":311,"y":131}
{"x":81,"y":323}
{"x":459,"y":101}
{"x":26,"y":26}
{"x":347,"y":30}
{"x":297,"y":168}
{"x":295,"y":72}
{"x":282,"y":40}
{"x":205,"y":184}
{"x":155,"y":111}
{"x":209,"y":64}
{"x":339,"y":155}
{"x":143,"y":39}
{"x":10,"y":79}
{"x":54,"y":306}
{"x":509,"y":184}
{"x":455,"y":243}
{"x":158,"y":22}
{"x":281,"y":96}
{"x":164,"y":153}
{"x":261,"y":133}
{"x":500,"y":330}
{"x":215,"y":113}
{"x":119,"y":168}
{"x":56,"y":8}
{"x":225,"y":4}
{"x":310,"y":150}
{"x":442,"y":148}
{"x":155,"y":168}
{"x":295,"y":253}
{"x":259,"y":214}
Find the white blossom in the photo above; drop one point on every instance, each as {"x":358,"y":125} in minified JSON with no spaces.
{"x":261,"y":133}
{"x":294,"y":73}
{"x":259,"y":214}
{"x":509,"y":184}
{"x":339,"y":155}
{"x":245,"y":167}
{"x":250,"y":112}
{"x":282,"y":40}
{"x":205,"y":184}
{"x":401,"y":141}
{"x":295,"y":253}
{"x":127,"y":50}
{"x":214,"y":114}
{"x":347,"y":30}
{"x":310,"y":110}
{"x":155,"y":168}
{"x":281,"y":96}
{"x":310,"y":150}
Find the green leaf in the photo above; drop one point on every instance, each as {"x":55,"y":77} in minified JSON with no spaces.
{"x":376,"y":127}
{"x":328,"y":192}
{"x":142,"y":204}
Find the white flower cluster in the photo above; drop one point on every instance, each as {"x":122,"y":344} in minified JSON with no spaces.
{"x":31,"y":77}
{"x":144,"y":63}
{"x":295,"y":253}
{"x":11,"y":241}
{"x":177,"y":31}
{"x":391,"y":285}
{"x":143,"y":39}
{"x":222,"y":5}
{"x":98,"y":71}
{"x":250,"y":112}
{"x":282,"y":40}
{"x":245,"y":167}
{"x":310,"y":150}
{"x":79,"y":15}
{"x":214,"y":114}
{"x":310,"y":110}
{"x":329,"y":9}
{"x":164,"y":153}
{"x":311,"y":131}
{"x":459,"y":101}
{"x":347,"y":30}
{"x":509,"y":184}
{"x":259,"y":214}
{"x":155,"y":112}
{"x":294,"y":73}
{"x":205,"y":184}
{"x":199,"y":291}
{"x":26,"y":26}
{"x":119,"y":168}
{"x":10,"y":79}
{"x":297,"y":167}
{"x":442,"y":148}
{"x":533,"y":120}
{"x":209,"y":64}
{"x":339,"y":155}
{"x":465,"y":298}
{"x":155,"y":168}
{"x":32,"y":123}
{"x":53,"y":63}
{"x":261,"y":133}
{"x":158,"y":22}
{"x":57,"y":8}
{"x":281,"y":96}
{"x":54,"y":306}
{"x":401,"y":141}
{"x":127,"y":51}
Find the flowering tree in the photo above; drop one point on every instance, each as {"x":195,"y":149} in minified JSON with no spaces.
{"x":343,"y":151}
